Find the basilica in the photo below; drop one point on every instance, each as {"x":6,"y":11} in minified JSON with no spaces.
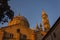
{"x":19,"y":29}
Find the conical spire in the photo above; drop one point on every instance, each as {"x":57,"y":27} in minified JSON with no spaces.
{"x":37,"y":27}
{"x":43,"y":12}
{"x":41,"y":26}
{"x":45,"y":21}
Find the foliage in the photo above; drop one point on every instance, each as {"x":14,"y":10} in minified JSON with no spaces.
{"x":5,"y":11}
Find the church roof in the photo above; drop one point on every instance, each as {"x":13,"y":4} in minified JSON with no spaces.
{"x":19,"y":19}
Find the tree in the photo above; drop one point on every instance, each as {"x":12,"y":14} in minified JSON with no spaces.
{"x":5,"y":11}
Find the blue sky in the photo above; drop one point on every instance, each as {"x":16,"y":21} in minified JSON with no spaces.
{"x":32,"y":10}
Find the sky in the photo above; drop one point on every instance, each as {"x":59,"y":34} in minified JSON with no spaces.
{"x":32,"y":10}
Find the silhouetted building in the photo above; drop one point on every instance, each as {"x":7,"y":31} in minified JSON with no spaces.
{"x":54,"y":32}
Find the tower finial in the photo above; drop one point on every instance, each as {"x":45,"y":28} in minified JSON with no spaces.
{"x":19,"y":13}
{"x":43,"y":12}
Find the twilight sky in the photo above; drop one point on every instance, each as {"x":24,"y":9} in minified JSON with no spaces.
{"x":32,"y":10}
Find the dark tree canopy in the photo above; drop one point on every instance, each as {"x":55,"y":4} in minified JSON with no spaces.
{"x":5,"y":11}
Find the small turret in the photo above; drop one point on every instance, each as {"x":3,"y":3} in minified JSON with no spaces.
{"x":37,"y":27}
{"x":41,"y":27}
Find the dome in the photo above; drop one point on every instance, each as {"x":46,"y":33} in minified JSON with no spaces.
{"x":19,"y":20}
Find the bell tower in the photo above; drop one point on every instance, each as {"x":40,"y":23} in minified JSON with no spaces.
{"x":45,"y":21}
